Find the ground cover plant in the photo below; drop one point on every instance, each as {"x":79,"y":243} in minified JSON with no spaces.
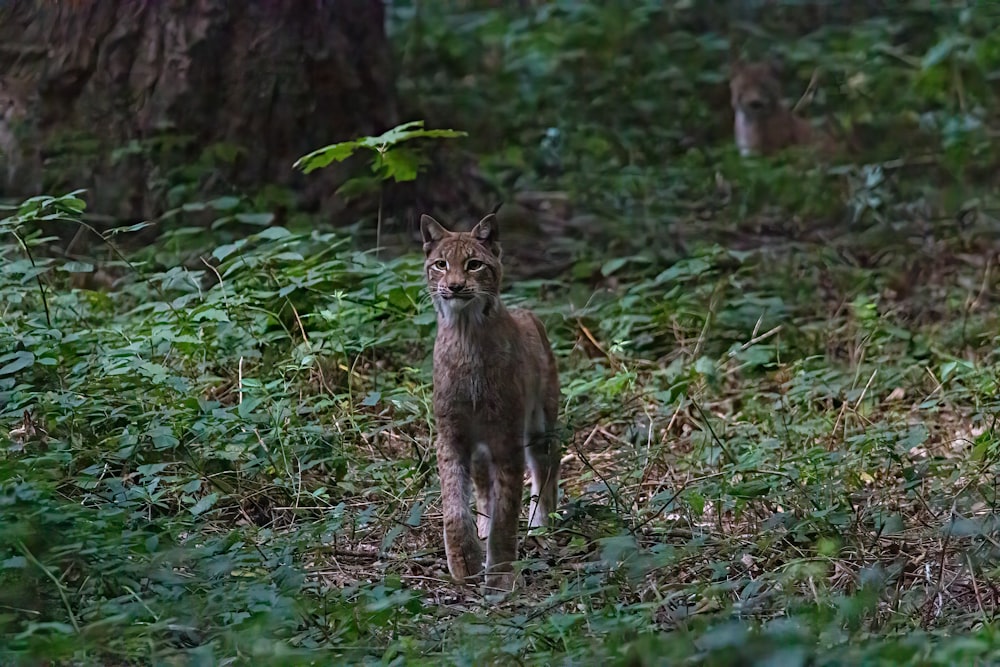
{"x":779,"y":376}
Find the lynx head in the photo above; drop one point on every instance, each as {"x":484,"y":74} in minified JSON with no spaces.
{"x":755,"y":88}
{"x":463,"y":269}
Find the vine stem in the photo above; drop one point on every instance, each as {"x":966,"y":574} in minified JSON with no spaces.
{"x":59,"y":586}
{"x":38,"y":277}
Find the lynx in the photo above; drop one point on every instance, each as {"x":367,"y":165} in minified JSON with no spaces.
{"x":14,"y":98}
{"x":496,"y":398}
{"x":763,"y":124}
{"x":10,"y":113}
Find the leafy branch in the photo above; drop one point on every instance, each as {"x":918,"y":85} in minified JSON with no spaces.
{"x":390,"y":161}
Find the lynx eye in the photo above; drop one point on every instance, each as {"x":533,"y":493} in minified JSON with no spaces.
{"x":473,"y":265}
{"x":440,"y":265}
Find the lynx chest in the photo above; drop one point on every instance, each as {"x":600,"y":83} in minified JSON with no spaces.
{"x":477,"y":380}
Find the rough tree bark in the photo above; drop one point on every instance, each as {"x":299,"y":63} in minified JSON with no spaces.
{"x":110,"y":94}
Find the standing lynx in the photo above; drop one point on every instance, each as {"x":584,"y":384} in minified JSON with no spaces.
{"x":496,"y":396}
{"x":20,"y":159}
{"x":763,"y":123}
{"x":12,"y":112}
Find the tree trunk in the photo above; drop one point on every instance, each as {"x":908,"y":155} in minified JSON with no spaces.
{"x":118,"y":95}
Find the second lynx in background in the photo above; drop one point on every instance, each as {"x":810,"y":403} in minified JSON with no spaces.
{"x":763,"y":123}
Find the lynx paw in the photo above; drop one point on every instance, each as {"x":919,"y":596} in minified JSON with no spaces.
{"x":466,"y":563}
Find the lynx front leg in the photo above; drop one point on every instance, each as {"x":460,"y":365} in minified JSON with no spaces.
{"x":461,"y":543}
{"x":501,"y":546}
{"x":482,"y":464}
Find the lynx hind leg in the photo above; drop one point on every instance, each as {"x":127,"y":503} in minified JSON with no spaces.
{"x":543,"y":460}
{"x":482,"y":483}
{"x":461,"y":543}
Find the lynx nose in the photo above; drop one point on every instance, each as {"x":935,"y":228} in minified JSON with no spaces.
{"x":456,"y":287}
{"x":755,"y":104}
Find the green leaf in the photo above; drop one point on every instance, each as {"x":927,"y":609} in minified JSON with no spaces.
{"x":563,"y":622}
{"x":211,"y":314}
{"x":16,"y":361}
{"x":613,"y":265}
{"x":390,"y":537}
{"x":129,"y":229}
{"x":416,"y":514}
{"x":390,"y":137}
{"x":162,"y":437}
{"x":224,"y":251}
{"x":939,"y":53}
{"x":696,"y":502}
{"x":273,"y":234}
{"x":192,"y":487}
{"x":249,"y":403}
{"x":395,"y":600}
{"x":77,"y":267}
{"x":325,"y":156}
{"x":404,"y":132}
{"x":617,"y":549}
{"x":399,"y":164}
{"x":151,"y":468}
{"x":687,"y":268}
{"x":224,"y":203}
{"x":55,"y":627}
{"x":205,"y":504}
{"x":260,"y":219}
{"x":14,"y":563}
{"x":705,"y":366}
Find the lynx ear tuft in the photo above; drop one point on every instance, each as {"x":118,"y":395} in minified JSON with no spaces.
{"x":431,"y":231}
{"x":487,"y":232}
{"x":486,"y":229}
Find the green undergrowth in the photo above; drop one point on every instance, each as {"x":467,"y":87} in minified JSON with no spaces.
{"x":779,"y":379}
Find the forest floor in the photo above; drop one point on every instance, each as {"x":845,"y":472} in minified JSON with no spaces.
{"x":779,"y":378}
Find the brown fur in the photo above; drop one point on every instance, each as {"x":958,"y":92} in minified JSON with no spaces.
{"x":763,"y":124}
{"x":496,"y":398}
{"x":14,"y":156}
{"x":11,"y":111}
